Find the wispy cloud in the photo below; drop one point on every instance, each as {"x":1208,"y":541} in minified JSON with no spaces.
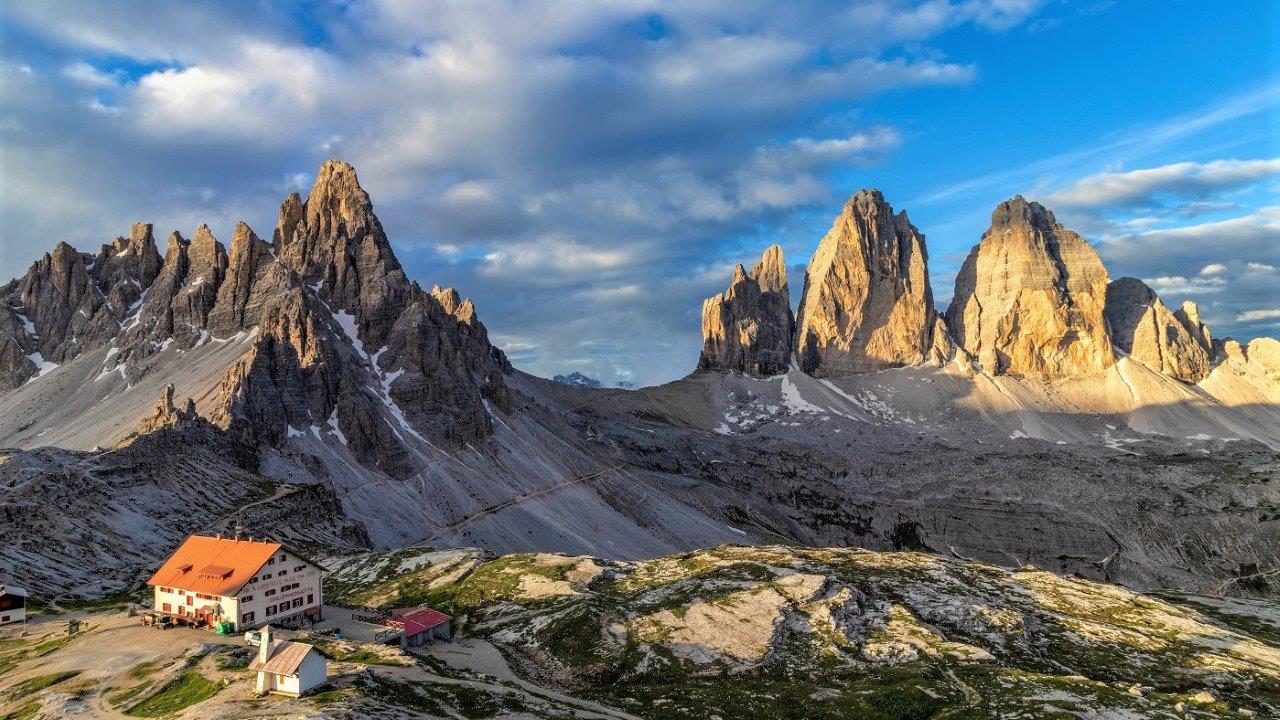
{"x":1140,"y":187}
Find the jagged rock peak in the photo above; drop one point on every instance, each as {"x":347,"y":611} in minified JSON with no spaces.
{"x":748,"y":327}
{"x":1148,"y":332}
{"x":1030,"y":296}
{"x":867,"y":302}
{"x":241,"y":294}
{"x":1189,"y":316}
{"x":165,"y":415}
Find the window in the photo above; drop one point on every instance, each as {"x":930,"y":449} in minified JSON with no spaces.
{"x":282,"y":573}
{"x":253,"y":579}
{"x":246,"y":598}
{"x":182,"y":592}
{"x":310,"y":598}
{"x":271,"y":610}
{"x":297,"y":602}
{"x":166,"y":607}
{"x":266,"y":576}
{"x":300,"y":568}
{"x":246,"y":618}
{"x":269,"y":593}
{"x":271,"y":561}
{"x":282,"y":557}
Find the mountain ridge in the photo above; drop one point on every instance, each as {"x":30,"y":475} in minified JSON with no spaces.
{"x":318,"y":371}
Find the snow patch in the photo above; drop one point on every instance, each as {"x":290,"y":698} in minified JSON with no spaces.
{"x":794,"y":401}
{"x":43,"y":365}
{"x":347,"y":322}
{"x":333,"y":425}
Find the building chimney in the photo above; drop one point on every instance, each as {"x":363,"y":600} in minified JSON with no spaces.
{"x":264,"y":646}
{"x":239,"y":529}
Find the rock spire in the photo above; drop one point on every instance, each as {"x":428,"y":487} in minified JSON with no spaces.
{"x":748,"y":327}
{"x":1150,"y":333}
{"x":867,"y":303}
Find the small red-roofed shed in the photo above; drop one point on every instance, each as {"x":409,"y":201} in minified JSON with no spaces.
{"x":420,"y":625}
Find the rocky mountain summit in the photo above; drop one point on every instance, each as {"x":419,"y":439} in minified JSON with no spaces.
{"x":1029,"y":298}
{"x":578,"y":379}
{"x":1141,"y":325}
{"x":1032,"y":300}
{"x":867,"y":303}
{"x":330,"y":312}
{"x":748,"y":327}
{"x":304,"y":386}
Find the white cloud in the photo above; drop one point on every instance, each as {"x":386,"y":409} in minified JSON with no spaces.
{"x":1256,"y":315}
{"x":545,"y":153}
{"x":1182,"y":285}
{"x":1137,"y":187}
{"x":1213,"y":269}
{"x":85,"y":74}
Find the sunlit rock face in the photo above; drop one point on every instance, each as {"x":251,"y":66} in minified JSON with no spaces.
{"x":748,"y":327}
{"x":867,"y":303}
{"x":1029,"y":298}
{"x":1142,"y":327}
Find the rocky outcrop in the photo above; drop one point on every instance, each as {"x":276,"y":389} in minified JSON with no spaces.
{"x":337,"y":246}
{"x":339,"y":340}
{"x":1264,"y":354}
{"x":166,"y":416}
{"x":1146,"y":330}
{"x":867,"y":303}
{"x":1030,"y":296}
{"x":1189,"y":316}
{"x":748,"y":327}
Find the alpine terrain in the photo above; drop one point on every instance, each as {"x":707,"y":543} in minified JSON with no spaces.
{"x":1057,"y":493}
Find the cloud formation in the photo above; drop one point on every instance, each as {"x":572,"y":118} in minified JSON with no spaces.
{"x":571,"y":165}
{"x":587,"y":172}
{"x":1142,"y":187}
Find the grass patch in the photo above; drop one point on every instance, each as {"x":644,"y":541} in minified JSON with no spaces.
{"x":26,"y":712}
{"x":144,"y":670}
{"x":182,"y":692}
{"x":36,"y":684}
{"x":330,"y":696}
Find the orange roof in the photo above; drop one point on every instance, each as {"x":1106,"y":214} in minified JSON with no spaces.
{"x":217,"y":566}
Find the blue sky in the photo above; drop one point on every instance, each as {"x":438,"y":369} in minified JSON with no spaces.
{"x":588,"y":172}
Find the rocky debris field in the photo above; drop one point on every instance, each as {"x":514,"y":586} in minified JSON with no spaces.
{"x":729,"y":632}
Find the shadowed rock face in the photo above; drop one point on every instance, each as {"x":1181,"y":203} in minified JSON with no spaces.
{"x":340,"y":337}
{"x":867,"y":302}
{"x":1148,"y":332}
{"x":748,"y":327}
{"x":1029,"y":298}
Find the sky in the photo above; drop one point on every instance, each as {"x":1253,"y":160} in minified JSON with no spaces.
{"x":589,"y":171}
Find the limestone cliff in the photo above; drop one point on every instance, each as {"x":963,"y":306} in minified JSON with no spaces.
{"x":1029,"y":298}
{"x":867,"y":303}
{"x":748,"y":327}
{"x":1150,"y":333}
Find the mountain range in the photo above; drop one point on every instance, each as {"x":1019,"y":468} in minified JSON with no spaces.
{"x":305,"y":388}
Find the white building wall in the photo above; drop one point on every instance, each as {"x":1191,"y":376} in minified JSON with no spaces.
{"x":254,"y":597}
{"x":313,"y":672}
{"x":13,"y":615}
